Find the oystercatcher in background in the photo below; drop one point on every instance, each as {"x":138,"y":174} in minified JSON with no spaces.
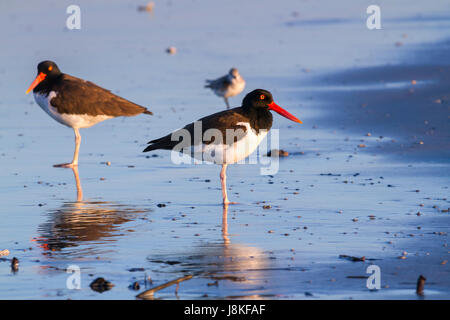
{"x":227,"y":86}
{"x":251,"y":122}
{"x":77,"y":103}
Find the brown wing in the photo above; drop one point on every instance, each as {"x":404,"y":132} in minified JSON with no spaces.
{"x":221,"y":121}
{"x":77,"y":96}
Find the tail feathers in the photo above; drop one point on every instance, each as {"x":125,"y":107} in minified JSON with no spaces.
{"x":156,"y":146}
{"x":148,"y":112}
{"x":151,"y":148}
{"x":161,"y":143}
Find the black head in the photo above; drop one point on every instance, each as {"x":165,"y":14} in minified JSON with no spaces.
{"x":261,"y":99}
{"x":47,"y":71}
{"x":48,"y":68}
{"x":258,"y":98}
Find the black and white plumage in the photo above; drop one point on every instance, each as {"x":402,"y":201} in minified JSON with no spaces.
{"x":227,"y":86}
{"x":252,"y":121}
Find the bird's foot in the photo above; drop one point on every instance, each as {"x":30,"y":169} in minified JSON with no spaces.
{"x":66,"y":165}
{"x":227,"y":202}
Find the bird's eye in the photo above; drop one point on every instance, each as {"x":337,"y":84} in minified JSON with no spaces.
{"x":50,"y":68}
{"x":262,"y":97}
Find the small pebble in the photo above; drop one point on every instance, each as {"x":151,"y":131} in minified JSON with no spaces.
{"x":420,"y":285}
{"x":101,"y":285}
{"x":135,"y":286}
{"x":277,"y":153}
{"x":15,"y":264}
{"x":148,"y":8}
{"x":171,"y":50}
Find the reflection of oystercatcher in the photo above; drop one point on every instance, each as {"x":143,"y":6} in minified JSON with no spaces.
{"x":77,"y":103}
{"x":249,"y":125}
{"x":227,"y":86}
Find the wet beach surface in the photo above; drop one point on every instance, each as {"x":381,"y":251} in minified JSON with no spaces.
{"x":358,"y":182}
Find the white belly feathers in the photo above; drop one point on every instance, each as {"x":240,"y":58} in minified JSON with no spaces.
{"x":76,"y":121}
{"x":232,"y":153}
{"x":236,"y":87}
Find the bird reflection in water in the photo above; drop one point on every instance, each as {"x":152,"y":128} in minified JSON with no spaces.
{"x":245,"y":266}
{"x":87,"y":223}
{"x":232,"y":261}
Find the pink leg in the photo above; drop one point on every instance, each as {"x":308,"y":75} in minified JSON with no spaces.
{"x":74,"y":162}
{"x":223,"y":180}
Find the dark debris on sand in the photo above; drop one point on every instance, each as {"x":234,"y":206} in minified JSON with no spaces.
{"x":101,"y":285}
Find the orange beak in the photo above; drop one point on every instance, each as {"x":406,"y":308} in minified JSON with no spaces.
{"x":273,"y":106}
{"x":41,"y":76}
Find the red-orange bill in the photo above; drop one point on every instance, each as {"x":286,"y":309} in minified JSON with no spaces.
{"x":273,"y":106}
{"x":41,"y":76}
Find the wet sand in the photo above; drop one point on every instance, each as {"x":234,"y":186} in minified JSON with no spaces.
{"x":407,"y":101}
{"x":143,"y":219}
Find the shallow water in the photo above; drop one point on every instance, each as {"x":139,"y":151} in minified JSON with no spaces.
{"x":330,"y":197}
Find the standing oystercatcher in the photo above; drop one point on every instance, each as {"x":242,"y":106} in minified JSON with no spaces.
{"x":227,"y":86}
{"x":248,"y":124}
{"x":77,"y":103}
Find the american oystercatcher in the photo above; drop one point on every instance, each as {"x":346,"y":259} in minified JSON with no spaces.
{"x":246,"y":125}
{"x":227,"y":86}
{"x":77,"y":103}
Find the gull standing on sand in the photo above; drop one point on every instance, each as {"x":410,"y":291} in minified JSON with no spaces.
{"x":77,"y":103}
{"x":227,"y":86}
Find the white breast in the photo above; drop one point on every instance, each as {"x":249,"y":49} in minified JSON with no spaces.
{"x":226,"y":153}
{"x":70,"y":120}
{"x":236,"y":87}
